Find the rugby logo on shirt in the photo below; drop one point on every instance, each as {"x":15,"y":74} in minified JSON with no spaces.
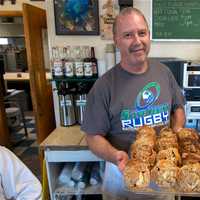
{"x":147,"y":96}
{"x":144,"y":111}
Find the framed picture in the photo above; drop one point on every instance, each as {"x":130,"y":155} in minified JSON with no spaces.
{"x":76,"y":17}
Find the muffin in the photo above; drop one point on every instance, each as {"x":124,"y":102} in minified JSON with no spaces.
{"x":165,"y":174}
{"x":189,"y":178}
{"x":146,"y":131}
{"x":190,"y":158}
{"x":163,"y":143}
{"x":166,"y":132}
{"x":187,"y":134}
{"x":169,"y":154}
{"x":136,"y":175}
{"x":144,"y":153}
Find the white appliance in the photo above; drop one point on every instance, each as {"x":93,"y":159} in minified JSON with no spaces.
{"x":191,"y":75}
{"x":192,"y":110}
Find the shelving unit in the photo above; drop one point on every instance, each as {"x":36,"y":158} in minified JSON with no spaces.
{"x":62,"y":191}
{"x":71,"y":82}
{"x":66,"y":144}
{"x":74,"y":79}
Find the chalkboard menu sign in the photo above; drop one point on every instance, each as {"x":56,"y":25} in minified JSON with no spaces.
{"x":176,"y":19}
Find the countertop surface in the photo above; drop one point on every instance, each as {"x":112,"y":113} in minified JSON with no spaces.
{"x":20,"y":76}
{"x":65,"y":137}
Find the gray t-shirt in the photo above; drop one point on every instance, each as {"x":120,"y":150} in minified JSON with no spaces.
{"x":120,"y":102}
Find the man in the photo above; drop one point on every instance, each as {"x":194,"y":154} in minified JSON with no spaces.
{"x":135,"y":92}
{"x":16,"y":180}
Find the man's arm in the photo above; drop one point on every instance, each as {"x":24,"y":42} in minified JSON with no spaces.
{"x":178,"y":119}
{"x":102,"y":148}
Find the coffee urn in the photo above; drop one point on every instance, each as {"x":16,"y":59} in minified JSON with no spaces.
{"x":80,"y":102}
{"x":66,"y":106}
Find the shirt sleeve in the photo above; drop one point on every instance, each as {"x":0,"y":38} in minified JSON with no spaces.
{"x":18,"y":182}
{"x":178,"y":99}
{"x":96,"y":117}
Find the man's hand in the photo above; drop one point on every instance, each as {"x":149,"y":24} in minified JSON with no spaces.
{"x":102,"y":148}
{"x":121,"y":158}
{"x":177,"y":129}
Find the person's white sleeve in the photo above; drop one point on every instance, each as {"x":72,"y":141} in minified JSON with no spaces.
{"x":17,"y":181}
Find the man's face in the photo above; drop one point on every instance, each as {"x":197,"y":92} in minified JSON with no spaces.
{"x":133,"y":39}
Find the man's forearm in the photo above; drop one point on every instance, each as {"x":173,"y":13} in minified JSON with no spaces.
{"x":102,"y":148}
{"x":178,"y":119}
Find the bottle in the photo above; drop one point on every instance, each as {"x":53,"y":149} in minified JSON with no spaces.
{"x":95,"y":174}
{"x":79,"y":71}
{"x":82,"y":183}
{"x":68,"y":62}
{"x":94,"y":63}
{"x":87,"y":64}
{"x":57,"y":68}
{"x":78,"y":170}
{"x":65,"y":175}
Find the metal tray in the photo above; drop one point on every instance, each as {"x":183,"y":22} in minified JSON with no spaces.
{"x":154,"y":189}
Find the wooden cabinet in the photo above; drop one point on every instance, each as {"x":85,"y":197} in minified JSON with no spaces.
{"x":66,"y":144}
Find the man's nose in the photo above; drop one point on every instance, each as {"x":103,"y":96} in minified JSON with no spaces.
{"x":136,"y":39}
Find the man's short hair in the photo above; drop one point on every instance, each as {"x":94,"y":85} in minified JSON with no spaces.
{"x":127,"y":11}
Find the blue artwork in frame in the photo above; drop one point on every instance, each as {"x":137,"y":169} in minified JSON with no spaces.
{"x":76,"y":17}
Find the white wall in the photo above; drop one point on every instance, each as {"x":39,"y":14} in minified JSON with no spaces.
{"x":187,"y":50}
{"x":59,"y":40}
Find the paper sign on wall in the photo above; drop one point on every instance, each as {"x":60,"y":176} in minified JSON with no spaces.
{"x":109,"y":11}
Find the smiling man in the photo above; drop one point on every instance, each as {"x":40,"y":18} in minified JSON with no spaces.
{"x":136,"y":92}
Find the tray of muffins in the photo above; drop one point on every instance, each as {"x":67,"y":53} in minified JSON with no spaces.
{"x":167,"y":162}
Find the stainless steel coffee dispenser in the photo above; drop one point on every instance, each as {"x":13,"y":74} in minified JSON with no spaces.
{"x":80,"y":101}
{"x":66,"y":106}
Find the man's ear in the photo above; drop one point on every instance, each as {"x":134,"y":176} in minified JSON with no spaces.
{"x":115,"y":41}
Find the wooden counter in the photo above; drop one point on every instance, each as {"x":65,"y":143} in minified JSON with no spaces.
{"x":65,"y":137}
{"x":20,"y":76}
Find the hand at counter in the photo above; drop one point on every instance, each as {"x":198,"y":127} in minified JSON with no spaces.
{"x":122,"y":158}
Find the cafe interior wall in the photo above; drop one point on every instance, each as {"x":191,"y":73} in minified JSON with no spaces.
{"x":186,"y":50}
{"x":189,"y":50}
{"x":182,"y":49}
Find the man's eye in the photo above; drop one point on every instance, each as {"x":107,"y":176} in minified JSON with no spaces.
{"x":142,"y":33}
{"x":128,"y":35}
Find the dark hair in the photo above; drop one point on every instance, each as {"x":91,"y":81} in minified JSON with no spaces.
{"x":127,"y":11}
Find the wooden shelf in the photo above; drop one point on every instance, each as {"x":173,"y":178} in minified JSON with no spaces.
{"x":64,"y":190}
{"x":67,"y":79}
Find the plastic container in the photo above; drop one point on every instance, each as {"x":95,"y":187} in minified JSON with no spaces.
{"x":65,"y":175}
{"x":95,"y":174}
{"x":78,"y":170}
